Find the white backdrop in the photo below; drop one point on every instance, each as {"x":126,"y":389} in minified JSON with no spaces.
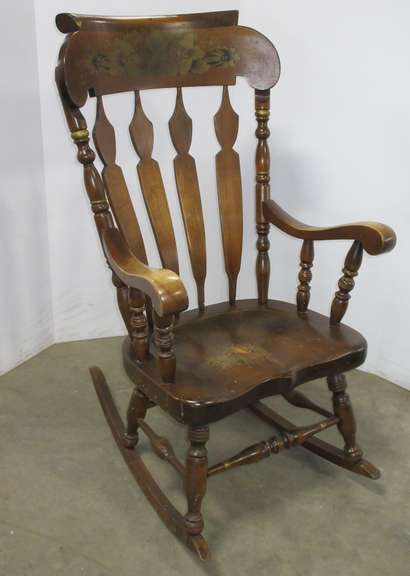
{"x":340,"y":152}
{"x":26,"y":321}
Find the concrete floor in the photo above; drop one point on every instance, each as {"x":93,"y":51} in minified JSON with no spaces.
{"x":68,"y":505}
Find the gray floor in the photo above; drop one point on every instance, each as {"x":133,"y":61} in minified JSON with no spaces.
{"x":68,"y":505}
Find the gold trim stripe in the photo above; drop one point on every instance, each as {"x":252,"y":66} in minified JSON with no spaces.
{"x":81,"y":134}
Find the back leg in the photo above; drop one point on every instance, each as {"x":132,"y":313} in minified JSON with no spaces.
{"x":343,"y":409}
{"x":137,"y":408}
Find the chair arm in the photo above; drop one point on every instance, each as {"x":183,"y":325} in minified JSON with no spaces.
{"x":376,"y":238}
{"x":164,"y":287}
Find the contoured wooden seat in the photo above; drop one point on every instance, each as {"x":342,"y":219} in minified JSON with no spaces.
{"x":229,"y":357}
{"x":202,"y":365}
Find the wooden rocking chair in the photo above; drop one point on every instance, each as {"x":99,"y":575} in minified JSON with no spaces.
{"x":205,"y":364}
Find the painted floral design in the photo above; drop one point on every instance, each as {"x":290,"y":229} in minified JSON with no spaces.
{"x":245,"y":355}
{"x":155,"y":52}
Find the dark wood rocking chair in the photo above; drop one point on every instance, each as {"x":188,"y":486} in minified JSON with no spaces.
{"x":233,"y":354}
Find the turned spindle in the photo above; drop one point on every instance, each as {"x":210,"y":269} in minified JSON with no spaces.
{"x":299,"y":400}
{"x":138,"y":324}
{"x":92,"y":179}
{"x":305,"y":275}
{"x":164,"y":343}
{"x":262,"y":190}
{"x":273,"y":445}
{"x":123,"y":301}
{"x":162,"y":447}
{"x":346,"y":282}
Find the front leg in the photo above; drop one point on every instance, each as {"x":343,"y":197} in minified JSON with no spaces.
{"x":196,"y":477}
{"x":344,"y":411}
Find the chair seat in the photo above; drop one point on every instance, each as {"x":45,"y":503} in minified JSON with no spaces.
{"x":229,"y":357}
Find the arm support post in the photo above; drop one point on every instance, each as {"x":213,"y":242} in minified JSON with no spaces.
{"x":262,"y":190}
{"x":305,"y":275}
{"x":346,"y":282}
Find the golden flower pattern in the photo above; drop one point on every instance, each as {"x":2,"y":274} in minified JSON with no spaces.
{"x":155,"y":52}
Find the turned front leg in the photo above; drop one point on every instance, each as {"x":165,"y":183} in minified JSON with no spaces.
{"x":137,"y":409}
{"x":196,"y":477}
{"x":344,"y":411}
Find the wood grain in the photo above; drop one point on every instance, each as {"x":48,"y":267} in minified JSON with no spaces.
{"x":180,"y":127}
{"x":228,"y":357}
{"x":229,"y":185}
{"x":273,"y":445}
{"x":110,"y":56}
{"x":115,"y":185}
{"x":152,"y":186}
{"x":316,"y":445}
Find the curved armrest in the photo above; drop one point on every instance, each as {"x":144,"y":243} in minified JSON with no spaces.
{"x":164,"y":287}
{"x":376,"y":238}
